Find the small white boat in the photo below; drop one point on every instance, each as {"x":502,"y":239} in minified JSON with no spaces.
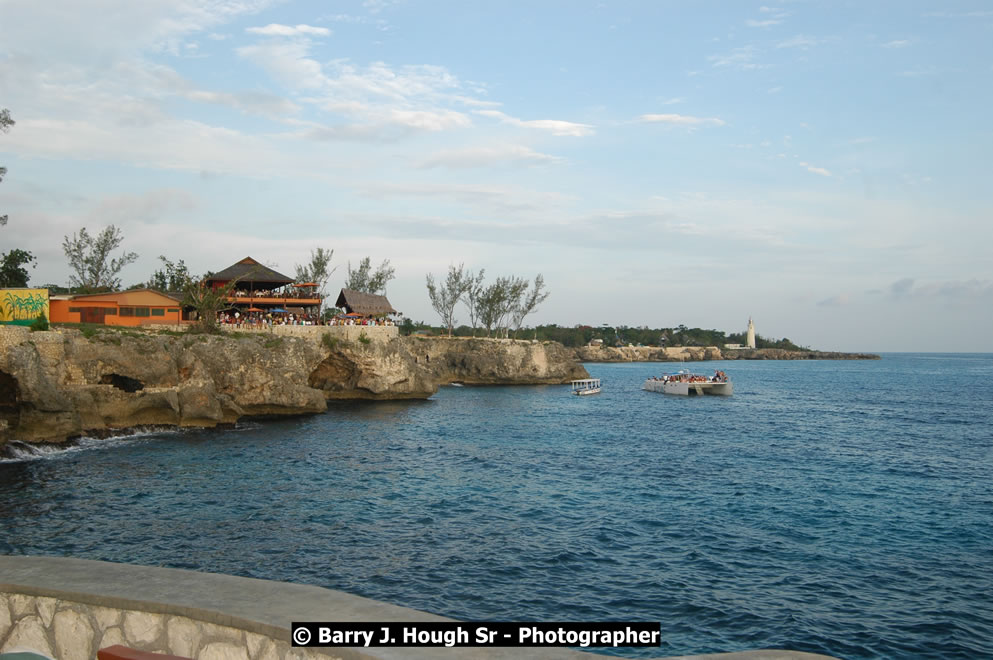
{"x":689,"y":384}
{"x":586,"y":386}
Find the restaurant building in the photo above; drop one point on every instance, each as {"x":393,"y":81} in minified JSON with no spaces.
{"x":262,"y":290}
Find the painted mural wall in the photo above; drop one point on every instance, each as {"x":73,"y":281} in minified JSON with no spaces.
{"x":22,"y":306}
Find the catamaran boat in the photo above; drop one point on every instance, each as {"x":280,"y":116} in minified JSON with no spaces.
{"x":586,"y":386}
{"x":690,"y":384}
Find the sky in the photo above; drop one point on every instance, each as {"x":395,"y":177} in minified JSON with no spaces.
{"x":821,"y":167}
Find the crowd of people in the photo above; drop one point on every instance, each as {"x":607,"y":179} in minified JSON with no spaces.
{"x":259,"y":319}
{"x":293,"y":292}
{"x":718,"y":377}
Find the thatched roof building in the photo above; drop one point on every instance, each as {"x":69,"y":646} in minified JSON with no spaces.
{"x":366,"y":304}
{"x":249,"y":272}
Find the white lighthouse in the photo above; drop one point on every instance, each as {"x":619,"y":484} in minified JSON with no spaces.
{"x":750,"y":338}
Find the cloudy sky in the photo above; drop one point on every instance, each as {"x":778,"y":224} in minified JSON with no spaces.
{"x":823,"y":167}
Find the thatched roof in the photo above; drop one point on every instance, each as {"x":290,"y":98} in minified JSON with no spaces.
{"x":366,"y":304}
{"x":248,"y":270}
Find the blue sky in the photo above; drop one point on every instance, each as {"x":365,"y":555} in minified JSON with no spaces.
{"x":822,"y":167}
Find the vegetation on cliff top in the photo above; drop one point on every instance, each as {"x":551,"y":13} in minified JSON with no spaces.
{"x":581,"y":335}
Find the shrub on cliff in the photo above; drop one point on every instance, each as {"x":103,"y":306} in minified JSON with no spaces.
{"x":40,"y":323}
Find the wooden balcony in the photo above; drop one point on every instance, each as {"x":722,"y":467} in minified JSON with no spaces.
{"x":291,"y":301}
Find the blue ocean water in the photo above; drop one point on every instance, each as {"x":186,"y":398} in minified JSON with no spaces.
{"x":835,"y":507}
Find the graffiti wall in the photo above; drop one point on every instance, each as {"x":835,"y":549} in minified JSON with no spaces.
{"x":22,"y":306}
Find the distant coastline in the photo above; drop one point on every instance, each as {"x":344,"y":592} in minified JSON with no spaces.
{"x":706,"y":353}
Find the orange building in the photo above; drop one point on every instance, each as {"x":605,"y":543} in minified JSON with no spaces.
{"x":129,"y":308}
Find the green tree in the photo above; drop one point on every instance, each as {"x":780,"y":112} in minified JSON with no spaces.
{"x":473,"y":294}
{"x":446,"y":296}
{"x":5,"y":123}
{"x":171,"y":277}
{"x":89,"y":256}
{"x":528,"y":302}
{"x":497,"y":302}
{"x":318,"y":271}
{"x":12,"y":268}
{"x":366,"y":280}
{"x":206,"y":302}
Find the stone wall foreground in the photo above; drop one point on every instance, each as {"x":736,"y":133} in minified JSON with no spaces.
{"x":69,"y":608}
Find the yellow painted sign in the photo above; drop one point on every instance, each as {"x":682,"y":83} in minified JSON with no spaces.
{"x":22,"y":306}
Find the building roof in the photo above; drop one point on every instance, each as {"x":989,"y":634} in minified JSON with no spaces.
{"x":367,"y":304}
{"x":144,"y":297}
{"x":249,"y":270}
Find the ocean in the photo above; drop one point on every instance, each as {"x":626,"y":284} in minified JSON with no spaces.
{"x":840,"y":507}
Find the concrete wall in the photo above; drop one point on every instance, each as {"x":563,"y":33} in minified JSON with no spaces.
{"x":69,"y":608}
{"x":70,"y":630}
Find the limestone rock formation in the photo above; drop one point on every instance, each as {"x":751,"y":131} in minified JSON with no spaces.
{"x":61,"y":384}
{"x":486,"y":361}
{"x":647,"y":353}
{"x":702,"y":353}
{"x":376,"y":370}
{"x":783,"y":354}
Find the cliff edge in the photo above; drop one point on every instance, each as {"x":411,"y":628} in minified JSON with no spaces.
{"x":487,"y":361}
{"x":60,"y":384}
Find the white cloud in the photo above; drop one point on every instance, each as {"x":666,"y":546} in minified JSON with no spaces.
{"x":489,"y":198}
{"x":919,"y":72}
{"x":80,"y":32}
{"x":800,"y":41}
{"x":897,"y":43}
{"x":774,"y":16}
{"x":966,"y":14}
{"x":428,"y":120}
{"x":278,"y":30}
{"x":487,"y":157}
{"x":815,"y":170}
{"x":553,"y":126}
{"x":834,"y":301}
{"x":682,"y":120}
{"x":740,"y":58}
{"x":149,"y":207}
{"x":951,"y":290}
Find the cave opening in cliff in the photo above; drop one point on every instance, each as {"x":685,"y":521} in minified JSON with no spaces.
{"x":9,"y":409}
{"x":129,"y":385}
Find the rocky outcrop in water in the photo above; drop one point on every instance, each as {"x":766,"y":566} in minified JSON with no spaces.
{"x":60,"y":384}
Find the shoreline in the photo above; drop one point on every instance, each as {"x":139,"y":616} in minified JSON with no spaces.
{"x":595,"y":354}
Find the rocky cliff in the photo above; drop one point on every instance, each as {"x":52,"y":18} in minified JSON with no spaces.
{"x":647,"y":353}
{"x":701,"y":353}
{"x":782,"y":354}
{"x":485,"y":361}
{"x":59,"y":384}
